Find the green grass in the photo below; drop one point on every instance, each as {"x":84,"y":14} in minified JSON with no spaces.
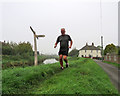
{"x":9,"y":61}
{"x":115,"y":64}
{"x":14,"y":61}
{"x":83,"y":76}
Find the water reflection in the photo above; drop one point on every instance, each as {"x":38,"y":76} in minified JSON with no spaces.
{"x":50,"y":61}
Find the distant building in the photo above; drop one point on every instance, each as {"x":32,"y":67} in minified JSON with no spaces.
{"x":90,"y":51}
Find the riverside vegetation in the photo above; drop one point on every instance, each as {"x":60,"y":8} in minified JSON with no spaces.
{"x":9,"y":61}
{"x":19,"y":55}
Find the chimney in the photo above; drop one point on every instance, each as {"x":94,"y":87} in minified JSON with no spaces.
{"x":86,"y":44}
{"x":92,"y":44}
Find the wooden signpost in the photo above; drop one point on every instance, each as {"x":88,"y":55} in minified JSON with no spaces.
{"x":35,"y":45}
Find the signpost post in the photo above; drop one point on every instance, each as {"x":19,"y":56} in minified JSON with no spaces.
{"x":102,"y":48}
{"x":35,"y":45}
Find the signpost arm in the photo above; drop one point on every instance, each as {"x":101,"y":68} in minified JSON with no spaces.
{"x":35,"y":45}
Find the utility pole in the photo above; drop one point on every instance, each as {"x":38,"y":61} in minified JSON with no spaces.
{"x":35,"y":45}
{"x":101,"y":29}
{"x":102,"y":47}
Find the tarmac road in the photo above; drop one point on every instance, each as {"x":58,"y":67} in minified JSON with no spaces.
{"x":112,"y":71}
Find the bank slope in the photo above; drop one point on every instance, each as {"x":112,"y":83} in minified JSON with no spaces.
{"x":83,"y":76}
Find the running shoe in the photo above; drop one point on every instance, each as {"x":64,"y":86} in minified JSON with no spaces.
{"x":67,"y":65}
{"x":62,"y":68}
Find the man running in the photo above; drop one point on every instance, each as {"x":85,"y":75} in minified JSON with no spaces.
{"x":64,"y":47}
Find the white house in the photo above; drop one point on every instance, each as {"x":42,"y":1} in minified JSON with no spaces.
{"x":90,"y":51}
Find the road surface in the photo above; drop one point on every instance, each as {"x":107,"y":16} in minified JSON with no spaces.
{"x":112,"y":71}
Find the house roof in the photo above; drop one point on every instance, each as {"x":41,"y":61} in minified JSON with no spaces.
{"x":89,"y":47}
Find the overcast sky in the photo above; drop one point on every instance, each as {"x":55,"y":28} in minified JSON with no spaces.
{"x":80,"y":18}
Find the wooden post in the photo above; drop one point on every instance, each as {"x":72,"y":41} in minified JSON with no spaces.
{"x":35,"y":46}
{"x":102,"y":47}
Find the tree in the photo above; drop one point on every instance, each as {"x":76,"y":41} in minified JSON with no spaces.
{"x":118,"y":50}
{"x":6,"y":48}
{"x":17,"y":49}
{"x":0,"y":48}
{"x":99,"y":47}
{"x":110,"y":48}
{"x":24,"y":48}
{"x":74,"y":52}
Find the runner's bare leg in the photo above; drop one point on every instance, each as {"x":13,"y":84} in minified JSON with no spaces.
{"x":65,"y":59}
{"x":61,"y":61}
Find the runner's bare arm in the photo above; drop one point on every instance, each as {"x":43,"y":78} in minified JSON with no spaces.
{"x":55,"y":45}
{"x":71,"y":42}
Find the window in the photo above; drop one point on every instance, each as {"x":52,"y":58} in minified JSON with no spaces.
{"x":110,"y":58}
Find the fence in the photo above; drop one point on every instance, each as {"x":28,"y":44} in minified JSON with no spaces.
{"x":112,"y":58}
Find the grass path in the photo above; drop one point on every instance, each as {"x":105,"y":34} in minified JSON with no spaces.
{"x":114,"y":64}
{"x":83,"y":76}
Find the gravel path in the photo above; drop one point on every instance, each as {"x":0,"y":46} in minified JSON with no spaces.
{"x":112,"y":71}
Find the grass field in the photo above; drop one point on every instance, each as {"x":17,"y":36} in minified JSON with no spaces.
{"x":83,"y":76}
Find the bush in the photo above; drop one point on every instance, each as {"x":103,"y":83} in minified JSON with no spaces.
{"x":74,"y":53}
{"x":17,"y":49}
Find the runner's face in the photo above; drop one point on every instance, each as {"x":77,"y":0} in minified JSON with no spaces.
{"x":62,"y":31}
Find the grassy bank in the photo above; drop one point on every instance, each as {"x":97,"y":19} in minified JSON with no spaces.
{"x":83,"y":76}
{"x":21,"y":80}
{"x":115,"y":64}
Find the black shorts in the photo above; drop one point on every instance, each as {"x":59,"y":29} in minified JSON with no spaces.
{"x":65,"y":52}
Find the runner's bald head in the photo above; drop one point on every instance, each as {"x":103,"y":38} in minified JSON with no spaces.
{"x":62,"y":31}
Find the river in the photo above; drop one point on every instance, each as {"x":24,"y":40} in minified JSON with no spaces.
{"x":50,"y":61}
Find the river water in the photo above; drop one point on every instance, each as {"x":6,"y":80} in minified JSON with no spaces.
{"x":50,"y":61}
